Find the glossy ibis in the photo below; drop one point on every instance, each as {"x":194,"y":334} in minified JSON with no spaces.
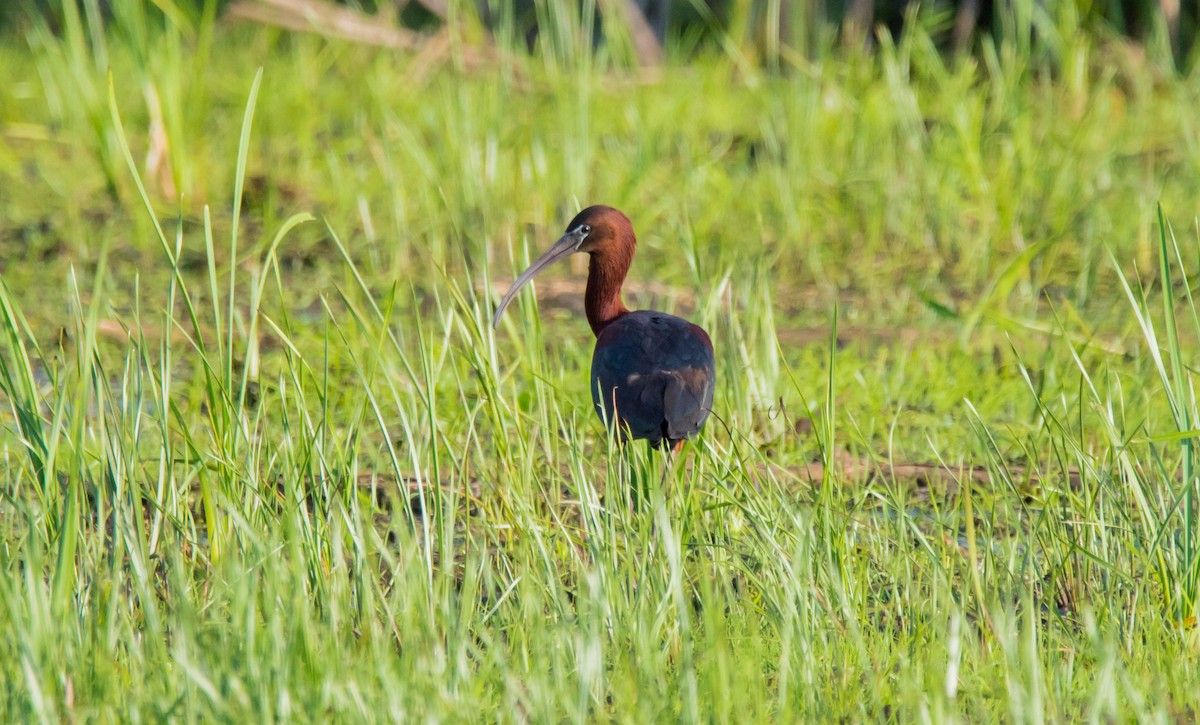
{"x":652,"y":373}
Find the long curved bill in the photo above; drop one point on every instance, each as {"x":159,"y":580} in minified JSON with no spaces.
{"x":564,"y":247}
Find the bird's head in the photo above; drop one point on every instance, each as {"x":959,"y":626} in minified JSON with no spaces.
{"x":601,"y":229}
{"x":597,"y":230}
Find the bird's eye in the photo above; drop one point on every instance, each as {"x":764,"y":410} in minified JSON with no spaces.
{"x":585,"y":229}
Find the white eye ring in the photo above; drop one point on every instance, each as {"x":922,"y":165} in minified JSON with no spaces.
{"x":583,"y":229}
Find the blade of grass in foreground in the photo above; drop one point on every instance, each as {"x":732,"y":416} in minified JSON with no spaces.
{"x":1180,"y":569}
{"x":1187,"y":413}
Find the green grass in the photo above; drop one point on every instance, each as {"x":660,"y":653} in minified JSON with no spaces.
{"x":265,"y":459}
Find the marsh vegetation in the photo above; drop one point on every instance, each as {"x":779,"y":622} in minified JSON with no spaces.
{"x":265,"y":458}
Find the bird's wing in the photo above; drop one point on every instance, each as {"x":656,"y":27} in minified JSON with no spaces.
{"x":687,"y":398}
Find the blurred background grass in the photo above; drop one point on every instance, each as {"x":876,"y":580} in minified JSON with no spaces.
{"x":773,"y":31}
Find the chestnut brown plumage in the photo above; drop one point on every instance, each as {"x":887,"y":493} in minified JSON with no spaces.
{"x":652,"y":373}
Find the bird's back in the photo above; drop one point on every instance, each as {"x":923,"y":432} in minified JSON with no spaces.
{"x":653,"y":373}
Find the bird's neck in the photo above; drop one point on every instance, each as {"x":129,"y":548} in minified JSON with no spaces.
{"x":606,"y":274}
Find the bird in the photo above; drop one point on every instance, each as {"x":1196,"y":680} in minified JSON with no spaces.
{"x":652,"y":373}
